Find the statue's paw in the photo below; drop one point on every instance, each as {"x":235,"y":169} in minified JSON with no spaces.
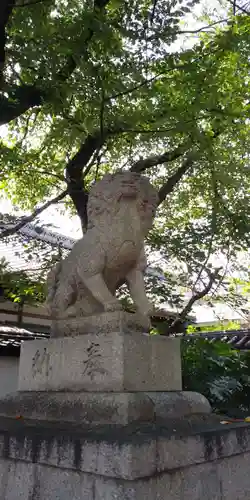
{"x":115,"y":305}
{"x":146,"y":310}
{"x":71,"y":312}
{"x":144,"y":321}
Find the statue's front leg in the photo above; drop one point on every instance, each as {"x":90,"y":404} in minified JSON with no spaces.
{"x":135,"y":280}
{"x":98,"y":288}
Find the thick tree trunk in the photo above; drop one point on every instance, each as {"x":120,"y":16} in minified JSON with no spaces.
{"x":6,"y":7}
{"x":75,"y":173}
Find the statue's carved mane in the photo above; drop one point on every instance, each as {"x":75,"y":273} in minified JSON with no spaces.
{"x":106,"y":194}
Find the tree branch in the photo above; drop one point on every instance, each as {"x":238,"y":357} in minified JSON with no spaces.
{"x":152,"y":161}
{"x":197,"y":296}
{"x":169,"y":186}
{"x":24,"y":97}
{"x":237,"y":6}
{"x":83,"y":155}
{"x":134,"y":88}
{"x":187,"y":164}
{"x":152,"y":15}
{"x":74,"y":168}
{"x":29,"y":218}
{"x":19,"y":100}
{"x":199,"y":30}
{"x":213,"y":228}
{"x":173,"y":67}
{"x":75,"y":176}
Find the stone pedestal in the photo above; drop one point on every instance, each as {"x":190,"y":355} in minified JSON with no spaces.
{"x":102,"y":416}
{"x":114,"y":376}
{"x":180,"y":461}
{"x":103,"y":408}
{"x":103,"y":362}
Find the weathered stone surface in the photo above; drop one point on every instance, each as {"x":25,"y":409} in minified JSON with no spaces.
{"x":197,"y":483}
{"x":85,"y":408}
{"x":16,"y":481}
{"x":42,"y":462}
{"x":129,"y":453}
{"x":24,"y":481}
{"x":103,"y":323}
{"x":121,"y":208}
{"x":102,"y":408}
{"x":176,"y":404}
{"x":56,"y":484}
{"x":235,"y":478}
{"x":101,"y":362}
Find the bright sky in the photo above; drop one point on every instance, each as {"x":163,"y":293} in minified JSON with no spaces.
{"x":70,"y":226}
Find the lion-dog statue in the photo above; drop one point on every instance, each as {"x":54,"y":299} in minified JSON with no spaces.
{"x":121,"y":209}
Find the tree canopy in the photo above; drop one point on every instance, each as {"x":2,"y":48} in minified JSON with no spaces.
{"x":88,"y":87}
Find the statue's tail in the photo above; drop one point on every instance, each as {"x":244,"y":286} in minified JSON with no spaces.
{"x":52,"y":283}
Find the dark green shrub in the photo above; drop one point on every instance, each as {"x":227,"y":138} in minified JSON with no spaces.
{"x":220,"y":373}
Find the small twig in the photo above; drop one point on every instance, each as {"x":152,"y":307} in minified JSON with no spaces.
{"x":134,"y":88}
{"x":223,"y":274}
{"x":155,"y":130}
{"x":26,"y":129}
{"x":50,"y":174}
{"x":102,"y":105}
{"x":37,"y":112}
{"x":149,"y":80}
{"x":237,"y":6}
{"x":16,"y":73}
{"x":236,"y":309}
{"x":129,"y":157}
{"x":213,"y":230}
{"x":197,"y":296}
{"x":199,"y":30}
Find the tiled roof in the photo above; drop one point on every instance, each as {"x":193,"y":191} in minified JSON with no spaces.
{"x":37,"y":231}
{"x":12,"y":337}
{"x":238,"y":339}
{"x":14,"y":248}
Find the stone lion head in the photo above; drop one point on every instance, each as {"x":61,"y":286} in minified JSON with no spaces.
{"x":106,"y":194}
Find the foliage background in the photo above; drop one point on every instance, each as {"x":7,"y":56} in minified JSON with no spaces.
{"x":88,"y":87}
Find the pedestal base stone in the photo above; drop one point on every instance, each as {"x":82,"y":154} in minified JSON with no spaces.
{"x":103,"y":408}
{"x":104,"y":362}
{"x":199,"y":459}
{"x":111,"y":378}
{"x":108,"y":322}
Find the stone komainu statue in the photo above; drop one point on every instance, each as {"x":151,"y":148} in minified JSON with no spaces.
{"x":121,"y":209}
